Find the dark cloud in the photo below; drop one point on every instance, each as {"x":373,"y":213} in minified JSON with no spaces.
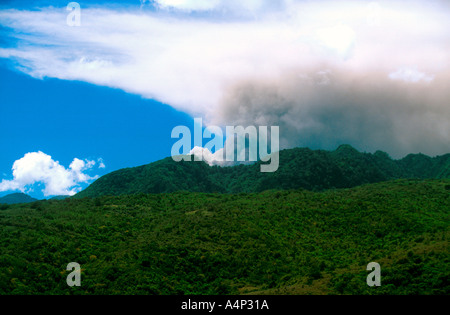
{"x":323,"y":107}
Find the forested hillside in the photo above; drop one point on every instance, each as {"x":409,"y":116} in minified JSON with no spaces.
{"x":314,"y":170}
{"x":275,"y":242}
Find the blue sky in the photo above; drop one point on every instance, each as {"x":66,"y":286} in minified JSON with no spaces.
{"x":79,"y":102}
{"x":69,"y":119}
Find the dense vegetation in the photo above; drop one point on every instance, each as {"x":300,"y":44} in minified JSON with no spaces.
{"x":274,"y":242}
{"x":16,"y":198}
{"x":299,"y":168}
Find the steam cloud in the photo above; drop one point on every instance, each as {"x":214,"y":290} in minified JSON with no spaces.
{"x":373,"y":75}
{"x":322,"y":109}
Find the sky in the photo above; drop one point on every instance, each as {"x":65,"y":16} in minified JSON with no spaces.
{"x":80,"y":101}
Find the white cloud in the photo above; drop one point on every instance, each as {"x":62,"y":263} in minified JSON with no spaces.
{"x":189,"y":5}
{"x":227,"y":7}
{"x":411,"y":75}
{"x":210,"y":158}
{"x":101,"y":163}
{"x":338,"y":38}
{"x":38,"y":167}
{"x":194,"y":63}
{"x":189,"y":63}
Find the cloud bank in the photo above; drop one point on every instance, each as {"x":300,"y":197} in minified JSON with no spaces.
{"x":373,"y":75}
{"x":40,"y":168}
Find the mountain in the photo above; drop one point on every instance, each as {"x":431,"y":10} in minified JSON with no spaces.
{"x":16,"y":198}
{"x":314,"y":170}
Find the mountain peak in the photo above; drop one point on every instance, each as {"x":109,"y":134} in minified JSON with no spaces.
{"x":346,"y":148}
{"x":16,"y":198}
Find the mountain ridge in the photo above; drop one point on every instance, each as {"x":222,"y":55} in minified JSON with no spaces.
{"x":304,"y":168}
{"x":16,"y":198}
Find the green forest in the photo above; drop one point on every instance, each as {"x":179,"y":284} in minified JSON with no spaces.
{"x":315,"y":170}
{"x":290,"y":241}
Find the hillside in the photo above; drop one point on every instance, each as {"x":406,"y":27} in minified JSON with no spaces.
{"x":61,"y":197}
{"x":314,"y":170}
{"x":16,"y":198}
{"x":275,"y":242}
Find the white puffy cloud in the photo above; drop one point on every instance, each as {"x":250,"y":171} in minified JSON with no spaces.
{"x":38,"y":167}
